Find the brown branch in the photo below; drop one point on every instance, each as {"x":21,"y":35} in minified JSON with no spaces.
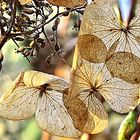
{"x":12,"y":20}
{"x":43,"y":24}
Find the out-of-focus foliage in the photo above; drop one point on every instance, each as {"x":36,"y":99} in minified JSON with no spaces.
{"x":127,"y":127}
{"x":31,"y":131}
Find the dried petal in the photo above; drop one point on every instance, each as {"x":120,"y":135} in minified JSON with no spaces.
{"x":67,"y":3}
{"x":92,"y":48}
{"x":125,"y":66}
{"x":19,"y":102}
{"x":23,"y":2}
{"x":89,"y":113}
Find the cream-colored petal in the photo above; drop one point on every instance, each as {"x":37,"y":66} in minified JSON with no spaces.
{"x":119,"y":94}
{"x":18,"y":102}
{"x":35,"y":78}
{"x":52,"y":116}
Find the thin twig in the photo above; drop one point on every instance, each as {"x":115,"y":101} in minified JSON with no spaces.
{"x":7,"y":35}
{"x":43,"y":24}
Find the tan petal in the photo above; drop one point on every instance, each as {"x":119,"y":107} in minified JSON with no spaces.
{"x":92,"y":48}
{"x":77,"y":110}
{"x":23,"y":2}
{"x":122,"y":96}
{"x":19,"y":102}
{"x":125,"y":66}
{"x":67,"y":3}
{"x":35,"y":78}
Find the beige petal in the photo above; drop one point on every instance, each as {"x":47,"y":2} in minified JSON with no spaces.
{"x":19,"y":102}
{"x":120,"y":95}
{"x":23,"y":2}
{"x":67,"y":3}
{"x":35,"y":78}
{"x":92,"y":48}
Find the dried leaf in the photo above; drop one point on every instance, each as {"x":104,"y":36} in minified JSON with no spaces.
{"x":23,"y":2}
{"x":67,"y":3}
{"x":92,"y":48}
{"x":39,"y":94}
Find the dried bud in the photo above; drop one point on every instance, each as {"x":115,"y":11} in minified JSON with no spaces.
{"x":26,"y":53}
{"x":57,"y":47}
{"x":42,"y":45}
{"x":28,"y":11}
{"x":33,"y":44}
{"x":19,"y":38}
{"x":65,"y":13}
{"x":77,"y":24}
{"x":20,"y":49}
{"x":48,"y":59}
{"x":1,"y":56}
{"x":56,"y":22}
{"x":40,"y":40}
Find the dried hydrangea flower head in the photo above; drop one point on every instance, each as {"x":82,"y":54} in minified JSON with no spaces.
{"x":107,"y":64}
{"x":39,"y":94}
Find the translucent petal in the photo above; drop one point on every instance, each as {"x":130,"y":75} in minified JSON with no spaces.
{"x":52,"y":116}
{"x":84,"y":106}
{"x":92,"y":48}
{"x":67,"y":3}
{"x":101,"y":21}
{"x":35,"y":78}
{"x":19,"y":102}
{"x":28,"y":96}
{"x":125,"y":66}
{"x":122,"y":96}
